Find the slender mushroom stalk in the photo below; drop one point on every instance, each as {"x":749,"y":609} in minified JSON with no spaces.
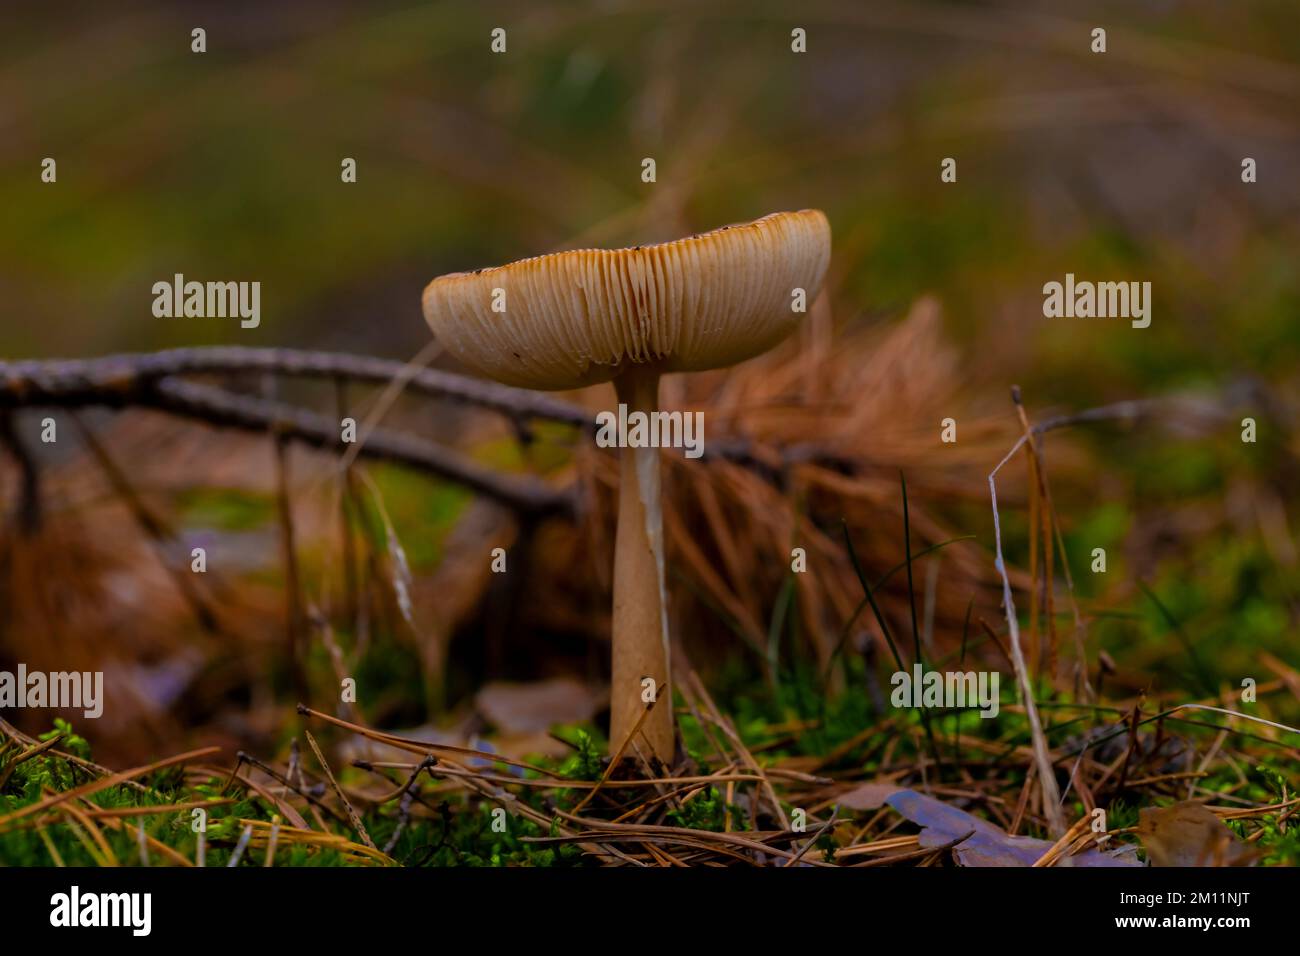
{"x":640,"y":603}
{"x":574,"y":319}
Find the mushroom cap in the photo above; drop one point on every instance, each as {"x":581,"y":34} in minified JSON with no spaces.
{"x":576,"y":318}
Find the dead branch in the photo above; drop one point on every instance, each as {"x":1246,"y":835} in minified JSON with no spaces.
{"x":130,"y":376}
{"x":87,"y":383}
{"x":220,"y":407}
{"x":134,"y":379}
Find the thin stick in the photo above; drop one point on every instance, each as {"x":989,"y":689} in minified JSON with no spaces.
{"x":28,"y":754}
{"x":1046,"y":774}
{"x":241,"y":846}
{"x":347,"y":804}
{"x":272,"y":840}
{"x":812,"y":840}
{"x":70,"y":381}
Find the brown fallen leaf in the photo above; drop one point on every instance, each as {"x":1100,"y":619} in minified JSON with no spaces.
{"x":987,"y":845}
{"x":536,"y":707}
{"x":868,"y":796}
{"x":1189,"y":834}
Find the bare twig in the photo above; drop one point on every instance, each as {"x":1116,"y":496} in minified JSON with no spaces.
{"x":347,"y":804}
{"x":220,"y":407}
{"x":148,"y":379}
{"x":241,"y":846}
{"x":1120,"y":411}
{"x":96,"y":381}
{"x":34,"y":751}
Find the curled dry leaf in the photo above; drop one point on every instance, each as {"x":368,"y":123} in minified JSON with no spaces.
{"x":1189,"y":834}
{"x":986,"y":845}
{"x":536,"y":707}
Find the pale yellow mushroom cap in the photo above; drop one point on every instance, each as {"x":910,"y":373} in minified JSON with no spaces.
{"x":577,"y":318}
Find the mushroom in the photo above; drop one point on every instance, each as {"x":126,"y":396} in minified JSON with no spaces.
{"x":573,"y":319}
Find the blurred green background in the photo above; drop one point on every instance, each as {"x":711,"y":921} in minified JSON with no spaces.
{"x":226,"y":165}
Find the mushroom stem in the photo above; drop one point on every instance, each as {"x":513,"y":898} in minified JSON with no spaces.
{"x":640,"y":613}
